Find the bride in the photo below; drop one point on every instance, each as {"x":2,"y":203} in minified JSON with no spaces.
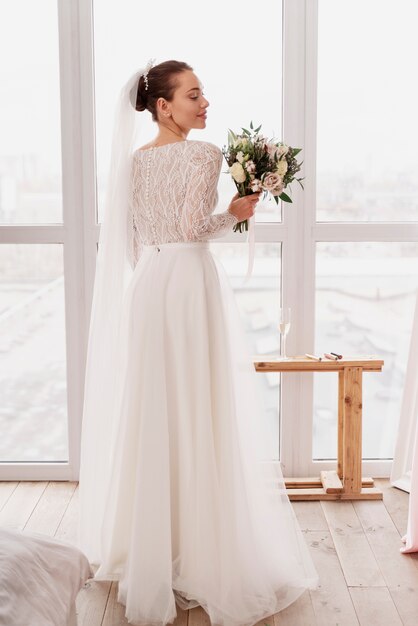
{"x":178,"y":501}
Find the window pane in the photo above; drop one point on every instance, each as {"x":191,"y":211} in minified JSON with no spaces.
{"x":365,"y":302}
{"x":258,"y":302}
{"x":33,"y":405}
{"x":367,"y":169}
{"x":231,"y":83}
{"x":30,"y":146}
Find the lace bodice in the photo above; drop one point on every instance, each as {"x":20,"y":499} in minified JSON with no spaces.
{"x":174,"y":193}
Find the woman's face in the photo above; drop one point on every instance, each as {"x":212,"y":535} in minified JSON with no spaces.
{"x":188,"y":107}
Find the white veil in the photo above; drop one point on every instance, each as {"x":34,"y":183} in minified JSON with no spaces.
{"x":113,"y":271}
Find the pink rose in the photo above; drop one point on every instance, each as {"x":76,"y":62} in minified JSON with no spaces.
{"x":272,"y":181}
{"x":278,"y":189}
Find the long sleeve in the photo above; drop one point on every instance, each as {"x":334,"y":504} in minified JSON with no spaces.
{"x":202,"y":198}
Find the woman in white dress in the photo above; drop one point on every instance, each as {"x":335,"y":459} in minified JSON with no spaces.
{"x":177,"y":501}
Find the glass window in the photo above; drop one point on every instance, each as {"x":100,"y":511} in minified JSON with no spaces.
{"x":365,"y":302}
{"x":367,"y":152}
{"x":229,"y":79}
{"x":33,"y":405}
{"x":30,"y":128}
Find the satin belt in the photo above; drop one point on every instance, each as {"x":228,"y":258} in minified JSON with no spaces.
{"x":176,"y":244}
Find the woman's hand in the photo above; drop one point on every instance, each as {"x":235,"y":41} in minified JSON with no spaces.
{"x":243,"y":208}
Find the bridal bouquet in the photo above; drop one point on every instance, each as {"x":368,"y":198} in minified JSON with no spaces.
{"x":257,"y":163}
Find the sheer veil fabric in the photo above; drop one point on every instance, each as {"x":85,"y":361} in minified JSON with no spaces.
{"x":112,"y":275}
{"x":178,"y":500}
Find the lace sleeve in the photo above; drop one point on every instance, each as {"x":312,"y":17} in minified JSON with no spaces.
{"x":133,"y":244}
{"x":202,"y":198}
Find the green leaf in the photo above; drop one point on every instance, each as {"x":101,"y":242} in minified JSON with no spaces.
{"x":245,"y":130}
{"x":296,"y":151}
{"x":233,"y":134}
{"x":283,"y":196}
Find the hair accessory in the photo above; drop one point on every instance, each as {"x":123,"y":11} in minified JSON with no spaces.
{"x":147,"y":69}
{"x":134,"y":89}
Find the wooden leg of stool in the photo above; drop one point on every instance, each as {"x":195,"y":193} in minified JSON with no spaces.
{"x":340,"y":454}
{"x":352,"y":429}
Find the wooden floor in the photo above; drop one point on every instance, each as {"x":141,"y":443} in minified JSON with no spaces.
{"x":355,"y":545}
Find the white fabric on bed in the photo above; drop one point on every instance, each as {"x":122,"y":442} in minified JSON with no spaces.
{"x":40,"y":577}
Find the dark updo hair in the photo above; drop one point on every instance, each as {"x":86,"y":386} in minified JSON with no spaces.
{"x":162,"y":83}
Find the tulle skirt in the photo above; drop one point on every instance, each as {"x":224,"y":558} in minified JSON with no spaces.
{"x":195,"y":514}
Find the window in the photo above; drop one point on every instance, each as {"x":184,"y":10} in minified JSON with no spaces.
{"x":33,"y":406}
{"x":342,"y":256}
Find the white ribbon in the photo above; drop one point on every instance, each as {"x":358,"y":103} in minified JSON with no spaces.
{"x":251,"y":245}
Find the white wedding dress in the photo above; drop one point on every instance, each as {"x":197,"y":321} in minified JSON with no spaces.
{"x":192,"y":515}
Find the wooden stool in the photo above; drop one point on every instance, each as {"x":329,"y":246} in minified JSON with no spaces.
{"x":346,"y":482}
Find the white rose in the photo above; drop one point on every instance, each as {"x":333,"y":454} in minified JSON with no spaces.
{"x":240,"y":156}
{"x":237,"y":172}
{"x":281,"y":168}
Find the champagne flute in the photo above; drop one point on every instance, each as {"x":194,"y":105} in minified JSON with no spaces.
{"x":284,"y":327}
